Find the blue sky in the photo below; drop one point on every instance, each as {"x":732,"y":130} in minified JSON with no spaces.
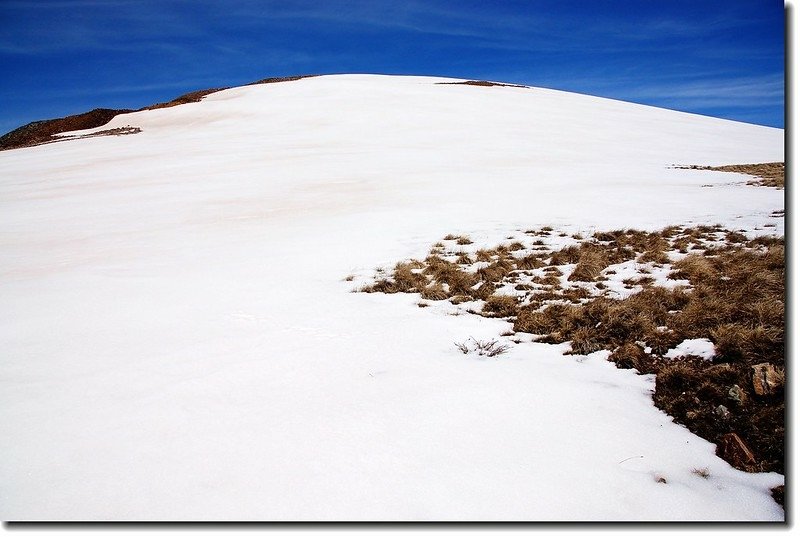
{"x":719,"y":58}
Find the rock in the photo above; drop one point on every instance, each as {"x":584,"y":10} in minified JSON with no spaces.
{"x":777,"y":494}
{"x":737,"y":394}
{"x":691,"y":414}
{"x":733,"y":449}
{"x":767,"y":379}
{"x":722,"y":412}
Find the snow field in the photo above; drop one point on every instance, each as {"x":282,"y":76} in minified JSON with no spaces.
{"x":179,"y":343}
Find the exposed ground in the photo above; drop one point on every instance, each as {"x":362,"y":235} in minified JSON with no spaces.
{"x":771,"y":174}
{"x":485,"y":83}
{"x":702,"y":308}
{"x":40,"y":132}
{"x":45,"y":131}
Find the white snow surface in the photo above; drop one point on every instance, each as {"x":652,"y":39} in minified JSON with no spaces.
{"x":701,"y":347}
{"x":178,"y":341}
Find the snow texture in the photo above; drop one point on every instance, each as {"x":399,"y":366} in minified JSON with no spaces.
{"x":701,"y":347}
{"x":179,"y":342}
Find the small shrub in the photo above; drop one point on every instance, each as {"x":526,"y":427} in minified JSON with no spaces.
{"x":489,"y":348}
{"x":701,"y":472}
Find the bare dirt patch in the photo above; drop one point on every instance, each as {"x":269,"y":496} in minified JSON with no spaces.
{"x":40,"y":132}
{"x":770,"y":174}
{"x":484,"y":83}
{"x":45,"y":131}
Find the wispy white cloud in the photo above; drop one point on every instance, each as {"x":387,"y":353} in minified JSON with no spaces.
{"x":739,"y":92}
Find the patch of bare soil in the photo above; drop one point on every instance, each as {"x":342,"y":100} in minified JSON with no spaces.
{"x":639,"y":295}
{"x":186,"y":98}
{"x":40,"y":132}
{"x":44,"y":131}
{"x":481,"y":83}
{"x":196,"y":96}
{"x":771,"y":174}
{"x":276,"y":79}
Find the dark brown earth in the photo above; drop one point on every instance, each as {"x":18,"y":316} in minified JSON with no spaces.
{"x":40,"y":132}
{"x":482,"y":83}
{"x":44,"y":131}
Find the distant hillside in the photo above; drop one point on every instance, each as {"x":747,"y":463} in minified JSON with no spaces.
{"x":44,"y":131}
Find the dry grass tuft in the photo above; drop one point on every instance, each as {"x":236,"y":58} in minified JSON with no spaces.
{"x":701,"y":472}
{"x":529,"y":262}
{"x":496,"y":271}
{"x":770,"y":174}
{"x":500,"y":306}
{"x":566,"y":256}
{"x":485,"y":255}
{"x":591,"y":262}
{"x":434,"y":291}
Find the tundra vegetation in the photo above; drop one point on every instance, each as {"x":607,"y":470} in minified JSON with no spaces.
{"x":637,"y":295}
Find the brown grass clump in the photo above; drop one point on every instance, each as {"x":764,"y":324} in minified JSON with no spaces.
{"x":735,"y":237}
{"x":631,"y":356}
{"x":585,"y":341}
{"x":496,"y":271}
{"x":500,"y":306}
{"x":566,"y":256}
{"x":434,"y":291}
{"x":483,"y":291}
{"x":549,"y":280}
{"x":693,"y":267}
{"x":659,"y":257}
{"x":485,"y":255}
{"x":591,"y":262}
{"x":529,"y":262}
{"x":575,"y":294}
{"x":444,"y":272}
{"x":770,"y":174}
{"x":403,"y":280}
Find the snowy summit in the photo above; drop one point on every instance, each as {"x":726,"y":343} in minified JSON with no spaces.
{"x":181,"y":339}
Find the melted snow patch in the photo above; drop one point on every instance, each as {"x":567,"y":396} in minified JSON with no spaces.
{"x":701,"y":347}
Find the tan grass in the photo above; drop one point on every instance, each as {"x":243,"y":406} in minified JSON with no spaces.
{"x":500,"y":306}
{"x":770,"y":174}
{"x":591,"y":262}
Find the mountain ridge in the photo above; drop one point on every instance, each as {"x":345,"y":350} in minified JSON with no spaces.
{"x":44,"y":130}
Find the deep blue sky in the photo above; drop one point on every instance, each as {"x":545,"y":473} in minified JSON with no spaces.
{"x":722,"y":58}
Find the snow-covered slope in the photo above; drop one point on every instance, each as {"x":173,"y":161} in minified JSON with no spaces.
{"x":178,"y":341}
